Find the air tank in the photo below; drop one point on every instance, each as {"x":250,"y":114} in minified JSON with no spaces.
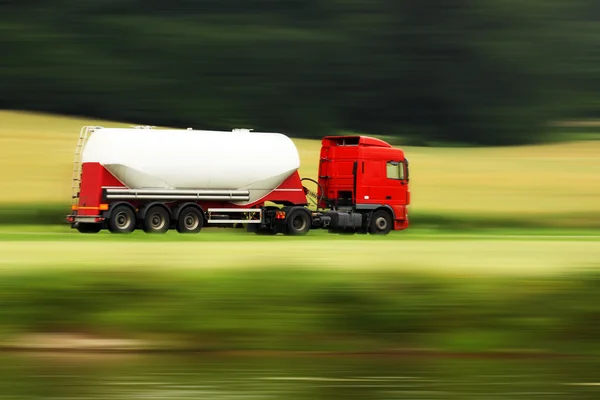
{"x":194,"y":159}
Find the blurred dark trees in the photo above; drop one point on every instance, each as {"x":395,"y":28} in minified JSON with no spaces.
{"x":469,"y":71}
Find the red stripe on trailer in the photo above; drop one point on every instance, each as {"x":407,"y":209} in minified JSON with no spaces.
{"x":93,"y":177}
{"x":290,"y":191}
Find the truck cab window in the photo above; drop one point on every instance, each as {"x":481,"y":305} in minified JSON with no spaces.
{"x":395,"y":170}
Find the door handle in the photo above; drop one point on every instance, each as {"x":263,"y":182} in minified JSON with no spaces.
{"x":388,"y":197}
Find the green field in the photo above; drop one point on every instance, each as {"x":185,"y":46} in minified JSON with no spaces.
{"x":556,"y":184}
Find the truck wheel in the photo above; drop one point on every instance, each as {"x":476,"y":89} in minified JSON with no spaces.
{"x":298,"y":223}
{"x":88,"y":228}
{"x":190,"y":220}
{"x":122,"y":220}
{"x":157,"y":220}
{"x":381,"y":223}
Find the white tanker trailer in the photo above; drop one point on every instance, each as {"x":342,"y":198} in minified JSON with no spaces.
{"x":191,"y":160}
{"x":158,"y":179}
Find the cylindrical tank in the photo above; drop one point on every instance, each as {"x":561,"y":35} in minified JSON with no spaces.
{"x":192,"y":159}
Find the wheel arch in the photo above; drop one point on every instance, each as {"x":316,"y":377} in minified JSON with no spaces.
{"x":372,"y":208}
{"x":293,"y":209}
{"x":141,"y":214}
{"x":108,"y":213}
{"x":387,"y":208}
{"x":177,"y":210}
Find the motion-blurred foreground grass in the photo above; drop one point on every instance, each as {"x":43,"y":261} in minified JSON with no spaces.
{"x":226,"y":290}
{"x":291,"y":309}
{"x":543,"y":185}
{"x":475,"y":254}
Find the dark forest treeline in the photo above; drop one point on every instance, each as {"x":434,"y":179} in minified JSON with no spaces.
{"x":473,"y":71}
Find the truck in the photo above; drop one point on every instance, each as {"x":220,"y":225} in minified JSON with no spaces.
{"x":158,"y":180}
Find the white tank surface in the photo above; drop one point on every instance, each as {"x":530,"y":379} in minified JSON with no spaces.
{"x":194,"y":159}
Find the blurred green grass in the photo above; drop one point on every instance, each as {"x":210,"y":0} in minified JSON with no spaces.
{"x":53,"y":214}
{"x":287,"y":308}
{"x":490,"y":253}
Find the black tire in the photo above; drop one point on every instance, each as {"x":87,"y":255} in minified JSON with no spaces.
{"x":381,"y":223}
{"x":190,"y":220}
{"x":122,"y":220}
{"x":157,"y":220}
{"x":84,"y":227}
{"x":298,"y":223}
{"x":264,"y":231}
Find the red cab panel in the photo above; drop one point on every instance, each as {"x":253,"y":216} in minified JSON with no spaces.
{"x":363,"y":172}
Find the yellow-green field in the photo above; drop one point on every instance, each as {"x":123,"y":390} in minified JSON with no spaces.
{"x":451,"y":255}
{"x":36,"y":155}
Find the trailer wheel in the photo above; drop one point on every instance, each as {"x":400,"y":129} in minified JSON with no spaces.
{"x":88,"y":228}
{"x":298,"y":222}
{"x":190,"y":220}
{"x":381,"y":223}
{"x":157,"y":220}
{"x":122,"y":220}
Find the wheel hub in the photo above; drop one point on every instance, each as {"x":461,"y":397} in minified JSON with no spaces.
{"x":122,"y":220}
{"x":157,"y":221}
{"x":299,"y":223}
{"x":190,"y":221}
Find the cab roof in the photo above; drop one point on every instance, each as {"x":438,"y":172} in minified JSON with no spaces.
{"x":362,"y":141}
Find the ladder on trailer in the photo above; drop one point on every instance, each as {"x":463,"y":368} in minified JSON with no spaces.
{"x":77,"y":164}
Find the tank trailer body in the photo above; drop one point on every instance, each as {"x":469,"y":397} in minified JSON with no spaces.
{"x":153,"y":179}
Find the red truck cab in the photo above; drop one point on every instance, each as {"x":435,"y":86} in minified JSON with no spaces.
{"x":363,"y":173}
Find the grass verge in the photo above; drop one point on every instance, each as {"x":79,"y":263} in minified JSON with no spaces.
{"x":55,"y":215}
{"x":313,"y":310}
{"x":11,"y":214}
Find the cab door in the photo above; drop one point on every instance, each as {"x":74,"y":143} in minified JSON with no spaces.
{"x":396,"y":183}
